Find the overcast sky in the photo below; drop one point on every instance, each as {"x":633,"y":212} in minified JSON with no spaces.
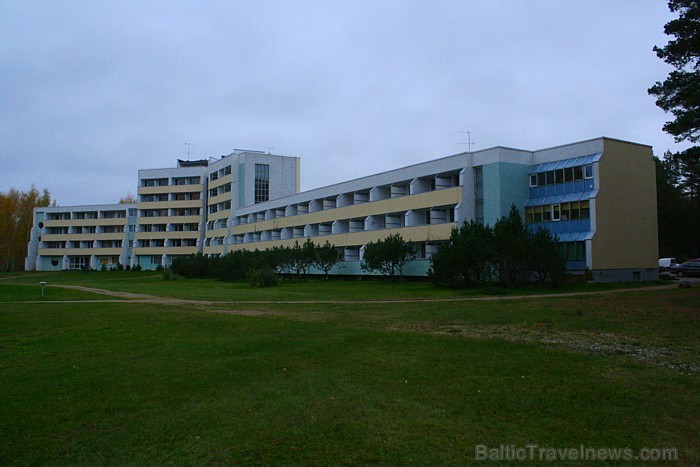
{"x":92,"y":91}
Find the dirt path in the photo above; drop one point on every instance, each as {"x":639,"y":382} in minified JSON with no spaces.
{"x":577,"y":341}
{"x":145,"y":298}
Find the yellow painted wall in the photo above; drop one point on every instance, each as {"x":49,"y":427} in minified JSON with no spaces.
{"x":421,"y":233}
{"x":184,"y":250}
{"x":193,"y":203}
{"x":80,"y":251}
{"x":220,"y":181}
{"x":626,"y":221}
{"x":84,"y":222}
{"x":213,"y":250}
{"x":155,"y":190}
{"x":82,"y":237}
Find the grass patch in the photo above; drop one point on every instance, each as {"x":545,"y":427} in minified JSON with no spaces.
{"x":23,"y":293}
{"x":152,"y":283}
{"x":421,"y":383}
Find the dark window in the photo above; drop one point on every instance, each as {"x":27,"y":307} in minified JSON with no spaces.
{"x":585,"y":210}
{"x":479,"y":194}
{"x":578,"y":173}
{"x":538,"y":214}
{"x":575,"y":207}
{"x":550,"y":177}
{"x":588,"y":171}
{"x":565,"y":211}
{"x":533,"y":180}
{"x":546,"y":213}
{"x":580,"y":251}
{"x":262,"y":183}
{"x":559,"y":174}
{"x":569,"y":174}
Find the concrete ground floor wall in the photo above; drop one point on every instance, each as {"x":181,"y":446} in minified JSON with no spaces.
{"x":625,"y":275}
{"x":415,"y":268}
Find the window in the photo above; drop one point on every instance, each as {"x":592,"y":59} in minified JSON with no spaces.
{"x":541,"y":179}
{"x":578,"y":173}
{"x":550,"y":177}
{"x":262,"y":183}
{"x":569,"y":174}
{"x":546,"y":214}
{"x":533,"y":181}
{"x":538,"y":214}
{"x":154,"y":182}
{"x":575,"y":210}
{"x":479,"y":195}
{"x":559,"y":175}
{"x":588,"y":171}
{"x":556,"y":215}
{"x":79,"y":262}
{"x":585,"y":210}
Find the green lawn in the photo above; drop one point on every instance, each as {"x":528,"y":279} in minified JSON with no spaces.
{"x":115,"y":383}
{"x":152,"y":283}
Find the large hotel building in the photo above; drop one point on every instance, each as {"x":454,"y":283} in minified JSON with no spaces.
{"x":598,"y":197}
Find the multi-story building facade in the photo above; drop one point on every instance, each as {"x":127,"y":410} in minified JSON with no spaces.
{"x":78,"y":237}
{"x":597,"y":196}
{"x":241,"y":179}
{"x":170,"y":213}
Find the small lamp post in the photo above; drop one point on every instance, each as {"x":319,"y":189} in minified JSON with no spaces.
{"x":42,"y":284}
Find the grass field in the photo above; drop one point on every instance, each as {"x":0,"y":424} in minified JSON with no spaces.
{"x":405,"y":382}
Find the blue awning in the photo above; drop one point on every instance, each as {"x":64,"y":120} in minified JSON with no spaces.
{"x":566,"y":163}
{"x":565,"y":198}
{"x":575,"y":236}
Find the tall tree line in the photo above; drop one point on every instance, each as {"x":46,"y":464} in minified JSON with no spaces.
{"x":678,"y":174}
{"x":16,"y":218}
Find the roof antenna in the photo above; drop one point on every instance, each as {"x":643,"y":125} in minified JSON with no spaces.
{"x":469,"y":140}
{"x":189,"y":145}
{"x":269,"y":149}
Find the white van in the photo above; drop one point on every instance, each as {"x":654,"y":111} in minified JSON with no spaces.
{"x":665,"y":264}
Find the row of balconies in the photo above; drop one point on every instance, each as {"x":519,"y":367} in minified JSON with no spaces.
{"x":166,"y":243}
{"x":87,"y":215}
{"x":171,"y":212}
{"x":78,"y":230}
{"x":411,"y":218}
{"x":164,"y":197}
{"x":378,"y":193}
{"x":169,"y":227}
{"x":170,"y":181}
{"x":81,"y":244}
